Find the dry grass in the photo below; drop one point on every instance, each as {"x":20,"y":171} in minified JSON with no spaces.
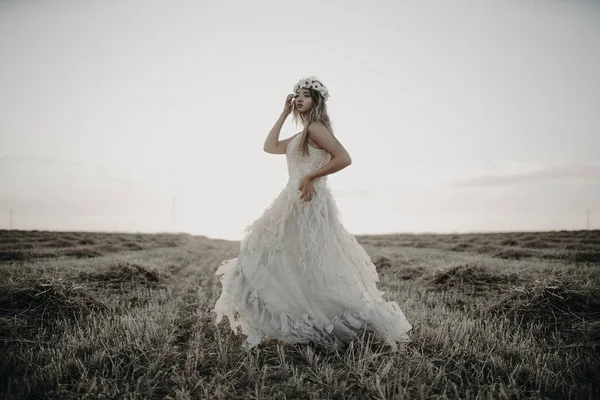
{"x":473,"y":276}
{"x":86,"y":315}
{"x":31,"y":246}
{"x":566,"y":310}
{"x":33,"y":307}
{"x":577,"y":246}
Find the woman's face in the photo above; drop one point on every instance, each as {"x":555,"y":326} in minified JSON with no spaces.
{"x":303,"y":100}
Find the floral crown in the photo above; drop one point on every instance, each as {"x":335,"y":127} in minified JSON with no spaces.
{"x":313,"y":83}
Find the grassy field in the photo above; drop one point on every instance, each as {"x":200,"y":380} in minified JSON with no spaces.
{"x":127,"y":316}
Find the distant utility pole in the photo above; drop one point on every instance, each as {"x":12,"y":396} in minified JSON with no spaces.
{"x":588,"y":219}
{"x":11,"y":220}
{"x":173,"y":212}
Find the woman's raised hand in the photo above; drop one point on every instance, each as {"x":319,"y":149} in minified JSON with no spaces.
{"x":289,"y":104}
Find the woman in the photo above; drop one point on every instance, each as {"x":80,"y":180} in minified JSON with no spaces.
{"x":300,"y":276}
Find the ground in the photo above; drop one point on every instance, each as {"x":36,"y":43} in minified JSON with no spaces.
{"x":96,"y":315}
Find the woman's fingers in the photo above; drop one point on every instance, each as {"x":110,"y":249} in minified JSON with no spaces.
{"x":307,"y":196}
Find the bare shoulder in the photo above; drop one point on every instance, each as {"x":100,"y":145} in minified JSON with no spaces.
{"x":318,"y":128}
{"x":316,"y":131}
{"x":281,"y":147}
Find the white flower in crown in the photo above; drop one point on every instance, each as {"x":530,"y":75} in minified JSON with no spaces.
{"x":311,"y":82}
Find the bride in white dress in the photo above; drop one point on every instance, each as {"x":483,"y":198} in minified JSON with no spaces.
{"x":300,"y":276}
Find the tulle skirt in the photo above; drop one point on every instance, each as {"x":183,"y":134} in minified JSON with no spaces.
{"x":301,"y":277}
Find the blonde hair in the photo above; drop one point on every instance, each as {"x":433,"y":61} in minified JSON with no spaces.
{"x":317,"y":113}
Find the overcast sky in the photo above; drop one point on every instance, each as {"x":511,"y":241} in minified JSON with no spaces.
{"x":459,"y":116}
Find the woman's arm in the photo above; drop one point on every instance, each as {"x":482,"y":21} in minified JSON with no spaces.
{"x":272,"y":144}
{"x":272,"y":140}
{"x":340,"y":158}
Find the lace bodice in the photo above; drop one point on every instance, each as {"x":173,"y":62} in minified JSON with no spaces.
{"x":300,"y":165}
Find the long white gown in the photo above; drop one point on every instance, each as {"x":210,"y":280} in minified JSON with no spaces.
{"x":300,"y":276}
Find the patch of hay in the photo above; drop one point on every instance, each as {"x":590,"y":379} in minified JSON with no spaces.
{"x":509,"y":242}
{"x":43,"y":253}
{"x":487,"y":248}
{"x":420,"y":244}
{"x":469,"y":276}
{"x":565,"y":309}
{"x":60,"y":243}
{"x":82,"y":252}
{"x":382,"y":262}
{"x":132,"y":246}
{"x":110,"y":247}
{"x":12,"y":255}
{"x":168,"y":243}
{"x":537,"y":243}
{"x":26,"y":306}
{"x":514,"y":254}
{"x":385,"y":266}
{"x":23,"y":245}
{"x":592,"y":241}
{"x":87,"y":241}
{"x":126,"y":275}
{"x":409,"y":273}
{"x":461,"y":247}
{"x":587,"y":256}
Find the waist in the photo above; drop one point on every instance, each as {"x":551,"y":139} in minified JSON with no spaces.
{"x":318,"y":183}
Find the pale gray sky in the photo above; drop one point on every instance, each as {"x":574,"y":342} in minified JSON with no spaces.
{"x":459,"y":116}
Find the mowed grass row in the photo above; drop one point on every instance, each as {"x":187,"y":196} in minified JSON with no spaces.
{"x":137,"y":324}
{"x":567,"y":246}
{"x":35,"y":245}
